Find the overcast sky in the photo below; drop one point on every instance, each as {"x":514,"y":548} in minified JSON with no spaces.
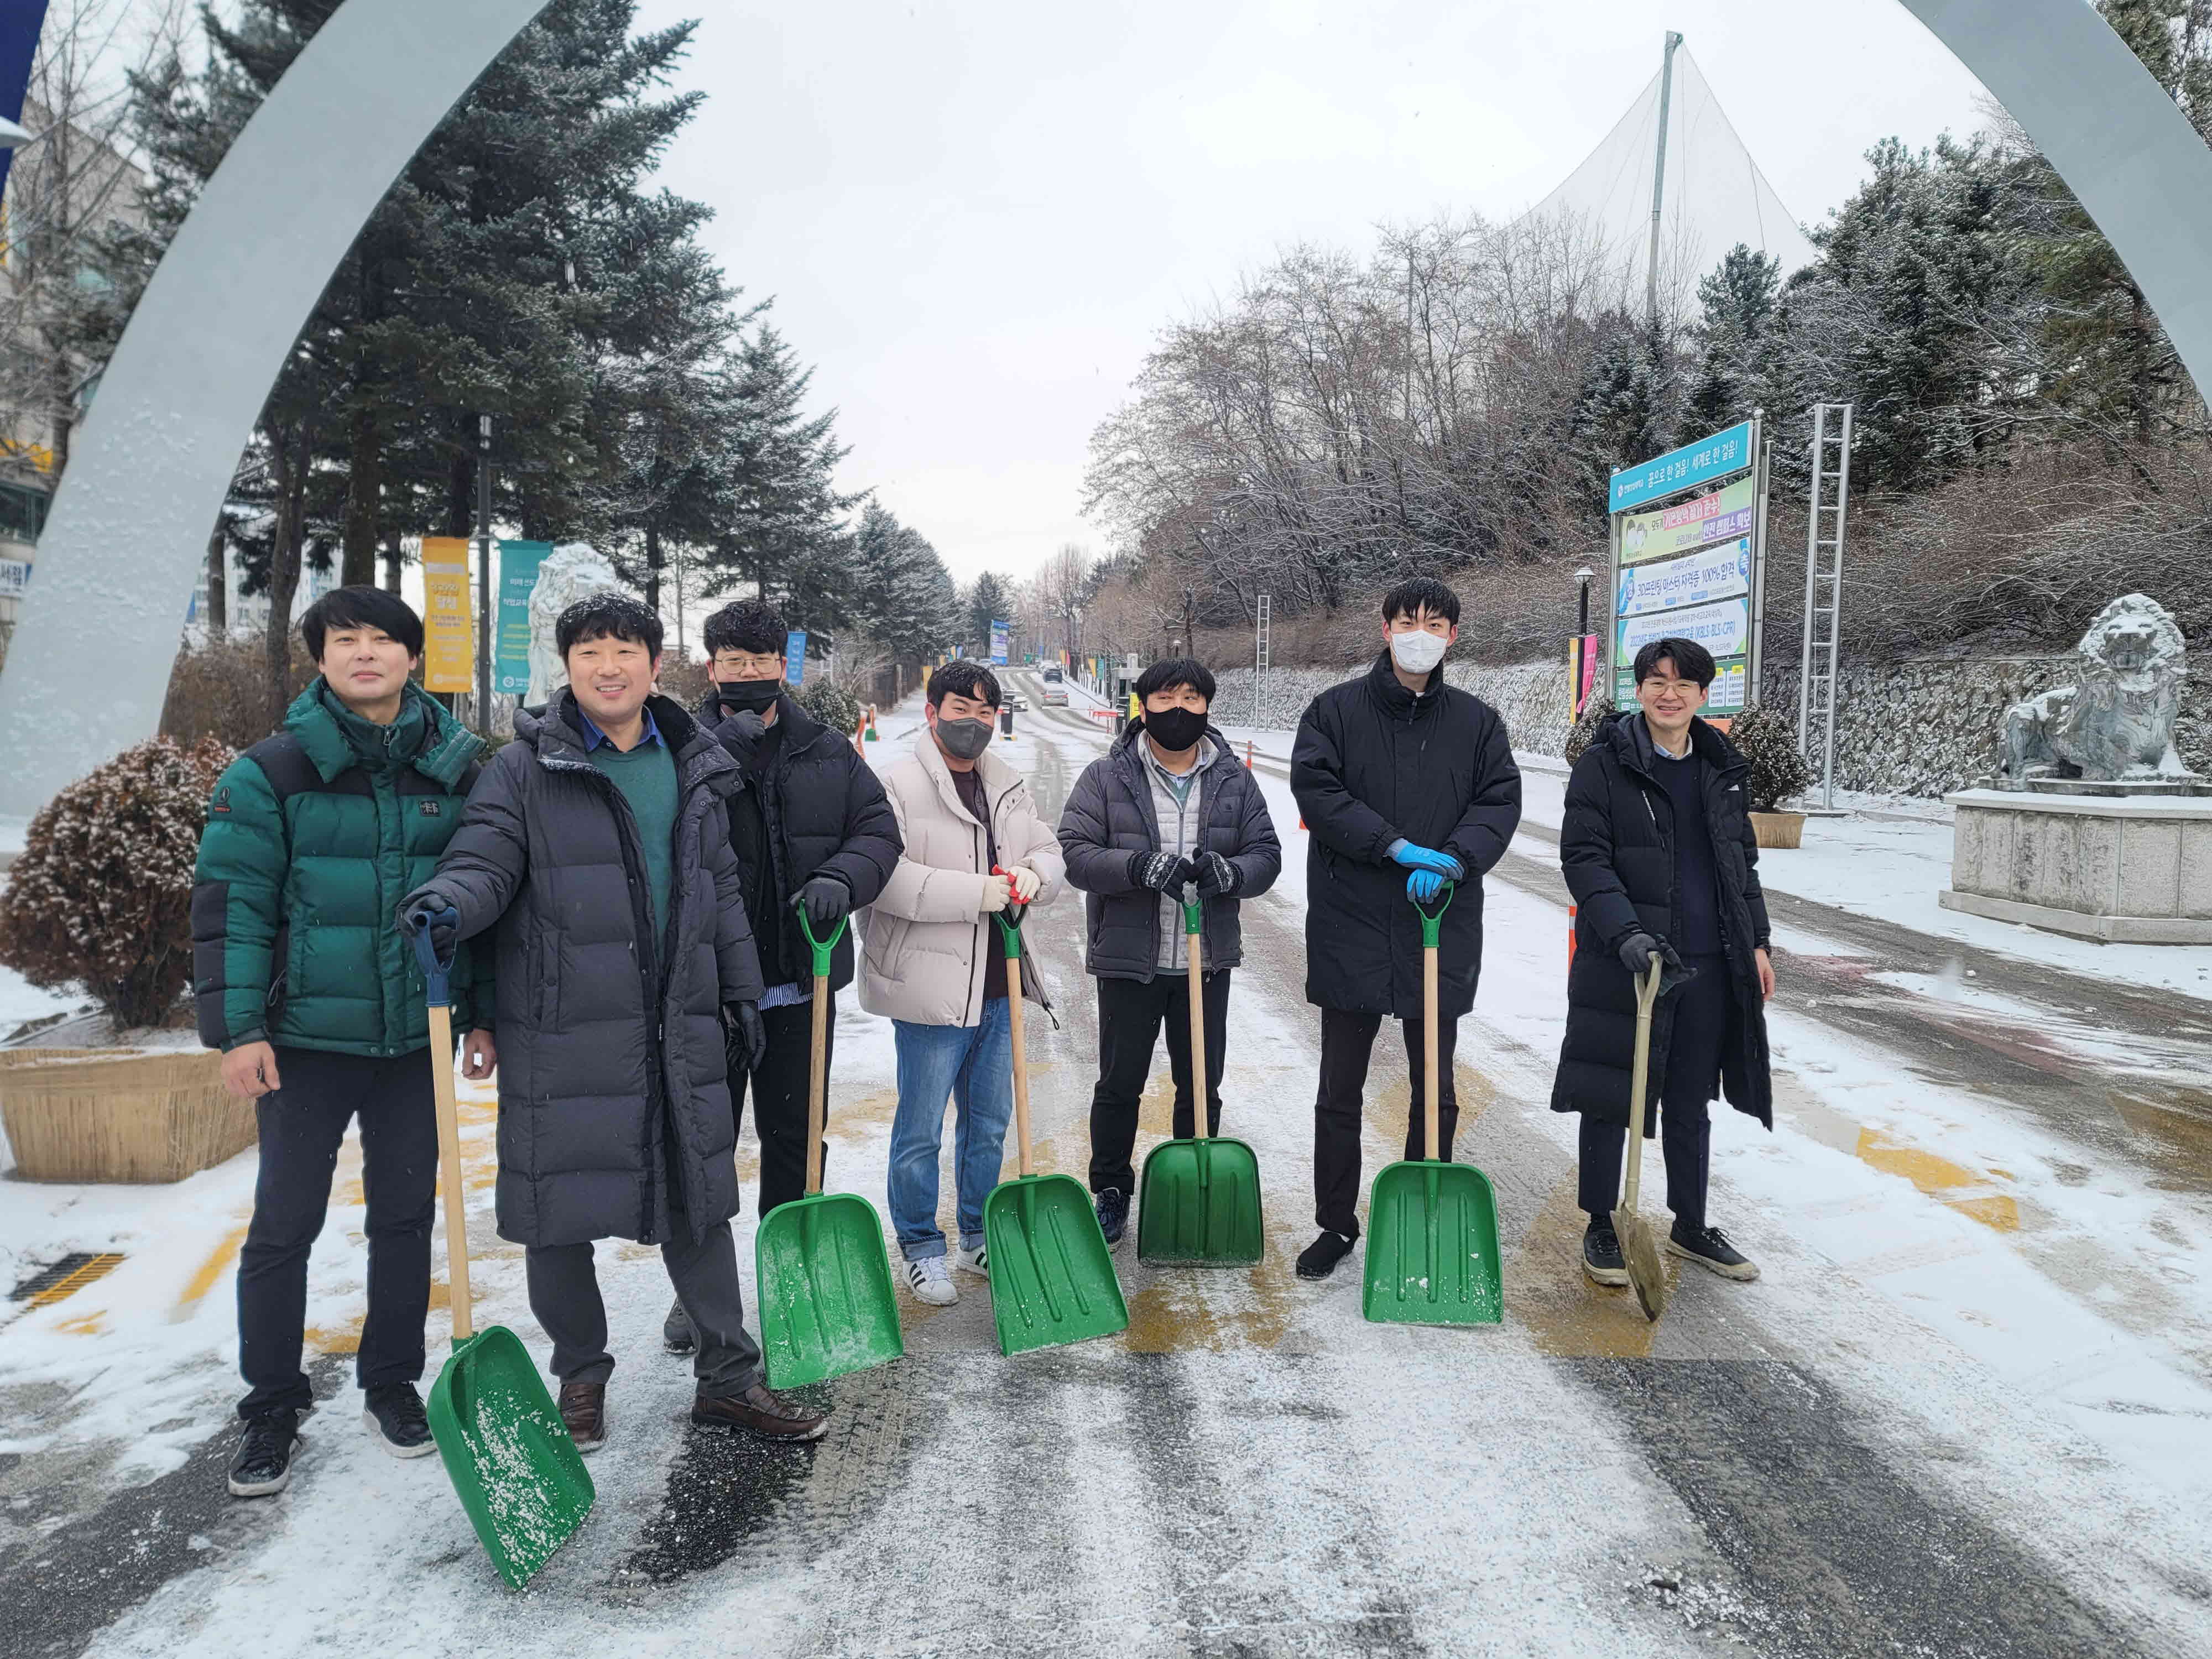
{"x":974,"y":217}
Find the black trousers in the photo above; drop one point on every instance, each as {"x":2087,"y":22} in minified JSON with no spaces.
{"x":1130,"y":1013}
{"x":1347,"y":1040}
{"x":301,"y":1127}
{"x":1685,"y":1131}
{"x":778,"y":1087}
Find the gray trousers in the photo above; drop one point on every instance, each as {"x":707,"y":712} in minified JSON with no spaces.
{"x":564,"y":1294}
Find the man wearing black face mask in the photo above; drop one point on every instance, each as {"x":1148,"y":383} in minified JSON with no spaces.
{"x":811,"y":827}
{"x":1169,"y":805}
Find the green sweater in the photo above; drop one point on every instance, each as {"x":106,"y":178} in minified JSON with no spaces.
{"x":647,"y":777}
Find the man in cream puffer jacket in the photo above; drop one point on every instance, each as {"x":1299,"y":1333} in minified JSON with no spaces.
{"x":932,"y":961}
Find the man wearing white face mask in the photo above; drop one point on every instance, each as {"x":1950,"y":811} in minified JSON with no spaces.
{"x":1408,"y":784}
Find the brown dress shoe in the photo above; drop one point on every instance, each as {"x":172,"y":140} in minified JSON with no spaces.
{"x":584,"y":1411}
{"x":770,"y":1415}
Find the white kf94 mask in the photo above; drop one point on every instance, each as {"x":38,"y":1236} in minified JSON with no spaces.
{"x":1418,"y":652}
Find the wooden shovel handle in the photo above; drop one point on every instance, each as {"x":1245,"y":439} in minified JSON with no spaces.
{"x":1647,"y":994}
{"x":449,"y":1165}
{"x":817,"y":1085}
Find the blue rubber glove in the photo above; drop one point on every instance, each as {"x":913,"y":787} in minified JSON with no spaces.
{"x":1424,"y":886}
{"x":1423,"y":858}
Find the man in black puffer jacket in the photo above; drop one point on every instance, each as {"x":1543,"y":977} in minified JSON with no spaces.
{"x":597,"y":847}
{"x":1408,"y":784}
{"x":1170,"y":805}
{"x":1658,"y":852}
{"x":811,"y":827}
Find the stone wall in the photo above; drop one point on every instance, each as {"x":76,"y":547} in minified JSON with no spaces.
{"x":1917,"y":727}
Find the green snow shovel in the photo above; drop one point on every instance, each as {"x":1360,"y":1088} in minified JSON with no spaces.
{"x":1432,"y":1226}
{"x":520,"y":1478}
{"x":825,"y":1277}
{"x":1052,"y":1278}
{"x":1201,"y":1203}
{"x":1639,"y":1247}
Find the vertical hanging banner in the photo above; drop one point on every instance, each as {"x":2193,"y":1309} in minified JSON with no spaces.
{"x":999,"y":632}
{"x":449,"y":637}
{"x":518,"y":575}
{"x":794,"y":659}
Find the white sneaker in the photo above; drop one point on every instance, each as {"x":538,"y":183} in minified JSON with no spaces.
{"x":930,"y":1283}
{"x":976,"y":1262}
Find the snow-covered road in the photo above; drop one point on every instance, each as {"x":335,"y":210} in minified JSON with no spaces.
{"x":1965,"y":1411}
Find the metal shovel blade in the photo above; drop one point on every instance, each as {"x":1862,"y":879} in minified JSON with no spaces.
{"x":1052,"y":1277}
{"x":1639,"y":1254}
{"x":826,"y":1307}
{"x":519,"y":1476}
{"x":1432,"y":1246}
{"x":1198,"y":1205}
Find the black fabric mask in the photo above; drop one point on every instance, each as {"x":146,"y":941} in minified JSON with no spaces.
{"x":1174,"y":729}
{"x":965,"y":738}
{"x":754,"y":696}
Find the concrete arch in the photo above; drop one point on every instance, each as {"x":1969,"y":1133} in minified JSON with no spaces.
{"x":90,"y":660}
{"x":91,"y":656}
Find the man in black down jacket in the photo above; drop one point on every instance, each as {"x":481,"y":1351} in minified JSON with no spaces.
{"x":1408,"y":784}
{"x":596,"y":843}
{"x":1659,"y":854}
{"x":1169,"y":805}
{"x":811,"y":826}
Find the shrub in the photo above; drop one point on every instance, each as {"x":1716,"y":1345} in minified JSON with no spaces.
{"x":1596,"y":712}
{"x":829,"y":702}
{"x":101,"y":895}
{"x":1770,"y":744}
{"x":682,"y":679}
{"x":220,"y":689}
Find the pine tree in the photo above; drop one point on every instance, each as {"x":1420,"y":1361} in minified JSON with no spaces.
{"x":989,"y":599}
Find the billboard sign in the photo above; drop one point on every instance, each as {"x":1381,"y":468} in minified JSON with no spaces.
{"x":794,"y":659}
{"x":1720,"y":572}
{"x":1723,"y":628}
{"x":1706,"y":461}
{"x":15,"y":578}
{"x":1687,"y":525}
{"x":1000,"y":631}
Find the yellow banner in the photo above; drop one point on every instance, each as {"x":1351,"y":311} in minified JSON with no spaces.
{"x":449,"y":653}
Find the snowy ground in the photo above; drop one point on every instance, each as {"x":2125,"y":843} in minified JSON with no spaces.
{"x":1965,"y":1411}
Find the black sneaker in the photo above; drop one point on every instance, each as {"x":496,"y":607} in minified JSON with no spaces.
{"x":1113,"y":1206}
{"x":1709,"y":1248}
{"x":393,"y":1412}
{"x":1601,"y":1262}
{"x":1319,"y":1258}
{"x":676,"y":1333}
{"x":263,"y":1466}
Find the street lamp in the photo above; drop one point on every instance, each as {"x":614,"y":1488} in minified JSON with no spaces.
{"x":1581,"y":642}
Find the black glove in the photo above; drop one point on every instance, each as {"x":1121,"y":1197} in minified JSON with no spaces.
{"x":434,"y":912}
{"x":1638,"y":949}
{"x":1217,"y":877}
{"x":1162,"y":873}
{"x":744,"y":1038}
{"x":827,"y":899}
{"x":740,"y":733}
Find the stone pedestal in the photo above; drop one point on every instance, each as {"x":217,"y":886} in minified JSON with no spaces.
{"x":2121,"y":868}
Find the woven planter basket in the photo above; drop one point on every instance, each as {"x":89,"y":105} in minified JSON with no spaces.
{"x":125,"y":1115}
{"x":1781,"y":830}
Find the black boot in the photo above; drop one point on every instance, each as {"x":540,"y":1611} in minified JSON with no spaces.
{"x":1113,"y":1208}
{"x":1602,"y":1253}
{"x":1319,"y":1258}
{"x":262,"y":1465}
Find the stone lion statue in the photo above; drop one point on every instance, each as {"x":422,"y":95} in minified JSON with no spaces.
{"x":2117,"y":722}
{"x":569,"y":572}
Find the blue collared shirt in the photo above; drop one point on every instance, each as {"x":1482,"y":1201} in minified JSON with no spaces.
{"x":593,"y":737}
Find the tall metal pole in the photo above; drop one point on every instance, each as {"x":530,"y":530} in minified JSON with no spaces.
{"x":1762,"y":450}
{"x":1659,"y":177}
{"x":483,"y":574}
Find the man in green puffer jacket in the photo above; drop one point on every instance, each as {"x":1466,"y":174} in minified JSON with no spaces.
{"x":312,"y":837}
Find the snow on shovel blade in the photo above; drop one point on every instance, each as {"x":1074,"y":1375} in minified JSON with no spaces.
{"x":519,"y":1476}
{"x":1200,"y":1204}
{"x":1052,"y":1277}
{"x":825,"y":1290}
{"x":1432,"y":1246}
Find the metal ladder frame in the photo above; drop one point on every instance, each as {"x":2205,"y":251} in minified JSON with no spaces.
{"x":1259,"y":654}
{"x":1824,"y":590}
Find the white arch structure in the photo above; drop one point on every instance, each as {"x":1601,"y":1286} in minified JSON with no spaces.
{"x":91,"y":656}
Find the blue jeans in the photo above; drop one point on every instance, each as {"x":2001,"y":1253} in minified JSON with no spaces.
{"x":974,"y":1065}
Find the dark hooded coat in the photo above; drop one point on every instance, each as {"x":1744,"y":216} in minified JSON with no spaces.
{"x":1617,"y":850}
{"x":614,"y":1103}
